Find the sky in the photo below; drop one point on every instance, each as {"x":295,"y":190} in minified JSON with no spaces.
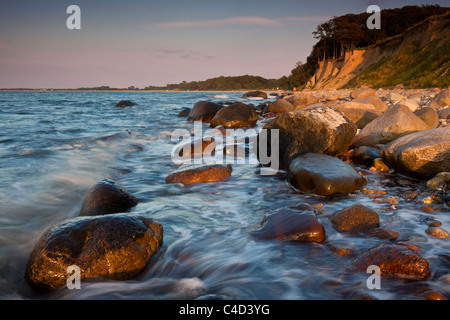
{"x":154,"y":42}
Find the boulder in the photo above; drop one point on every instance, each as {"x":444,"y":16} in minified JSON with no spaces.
{"x":444,"y":113}
{"x":279,"y":106}
{"x":204,"y":111}
{"x":355,"y":219}
{"x":125,"y":103}
{"x":255,"y":94}
{"x":114,"y":247}
{"x":395,"y":97}
{"x":317,"y":129}
{"x":184,"y":112}
{"x":197,"y":147}
{"x":237,"y":115}
{"x":200,"y":174}
{"x":360,"y":117}
{"x":295,"y":223}
{"x":441,"y":100}
{"x":429,"y":116}
{"x":372,"y":100}
{"x":107,"y":197}
{"x":411,"y":104}
{"x":398,"y":121}
{"x":420,"y":155}
{"x":323,"y":175}
{"x":362,"y":93}
{"x":301,"y":99}
{"x":394,"y":260}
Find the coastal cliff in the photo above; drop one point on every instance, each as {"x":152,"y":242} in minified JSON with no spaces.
{"x":419,"y":57}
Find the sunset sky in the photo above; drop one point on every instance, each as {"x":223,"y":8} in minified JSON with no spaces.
{"x":154,"y":42}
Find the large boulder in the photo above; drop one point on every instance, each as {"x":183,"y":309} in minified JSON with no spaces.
{"x":317,"y":129}
{"x":361,"y":117}
{"x":296,"y":223}
{"x":204,"y":111}
{"x":394,"y":260}
{"x":441,"y":100}
{"x":377,"y":103}
{"x":107,"y":197}
{"x":115,"y":247}
{"x":279,"y":106}
{"x":398,"y":121}
{"x":421,"y":155}
{"x":355,"y":219}
{"x":255,"y":94}
{"x":192,"y":174}
{"x":362,"y":93}
{"x":323,"y":175}
{"x":444,"y":113}
{"x":302,"y":99}
{"x":429,"y":116}
{"x":237,"y":115}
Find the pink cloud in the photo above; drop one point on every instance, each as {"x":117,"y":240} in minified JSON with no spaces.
{"x":230,"y":21}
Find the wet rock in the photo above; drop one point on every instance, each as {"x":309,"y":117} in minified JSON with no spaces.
{"x":200,"y":174}
{"x":237,"y":115}
{"x":398,"y":121}
{"x":317,"y":129}
{"x":197,"y":147}
{"x":184,"y":112}
{"x":115,"y":247}
{"x":437,"y":232}
{"x":380,"y":166}
{"x":355,"y":219}
{"x":394,"y":260}
{"x":429,"y":116}
{"x":362,"y":93}
{"x":279,"y":106}
{"x":107,"y":197}
{"x":440,"y":181}
{"x":364,"y":155}
{"x":421,"y":155}
{"x":383,"y":233}
{"x":255,"y":94}
{"x":323,"y":175}
{"x":125,"y":103}
{"x":296,"y":223}
{"x":204,"y":111}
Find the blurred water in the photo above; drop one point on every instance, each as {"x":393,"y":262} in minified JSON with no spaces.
{"x":55,"y":145}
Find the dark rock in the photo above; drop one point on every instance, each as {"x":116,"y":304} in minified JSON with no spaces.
{"x":355,"y":219}
{"x":201,"y":146}
{"x":318,"y":129}
{"x":125,"y":103}
{"x":394,"y":260}
{"x":420,"y":155}
{"x":184,"y":112}
{"x":444,"y":113}
{"x":296,"y":223}
{"x":255,"y":94}
{"x":323,"y":175}
{"x":429,"y":116}
{"x":200,"y":174}
{"x":237,"y":115}
{"x":383,"y":233}
{"x":115,"y":247}
{"x":107,"y":197}
{"x":365,"y":155}
{"x":204,"y":111}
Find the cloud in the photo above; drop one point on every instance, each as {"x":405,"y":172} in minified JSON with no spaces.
{"x":309,"y":19}
{"x":257,"y":21}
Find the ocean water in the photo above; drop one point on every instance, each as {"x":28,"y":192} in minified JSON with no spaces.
{"x":54,"y":146}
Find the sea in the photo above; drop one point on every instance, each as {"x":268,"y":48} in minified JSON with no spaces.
{"x":55,"y":145}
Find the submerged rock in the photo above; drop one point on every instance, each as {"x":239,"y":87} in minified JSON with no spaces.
{"x":184,"y":112}
{"x":296,"y":223}
{"x":323,"y":175}
{"x":107,"y":197}
{"x":420,"y":155}
{"x":318,"y":129}
{"x":237,"y":115}
{"x":125,"y":103}
{"x":204,"y":111}
{"x":394,"y":260}
{"x":200,"y":174}
{"x":115,"y":247}
{"x":255,"y":94}
{"x":355,"y":219}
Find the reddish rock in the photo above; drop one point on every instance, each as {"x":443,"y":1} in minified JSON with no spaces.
{"x":200,"y":174}
{"x":356,"y":218}
{"x":237,"y":115}
{"x":394,"y":260}
{"x":383,"y":233}
{"x":297,"y":223}
{"x":197,"y":147}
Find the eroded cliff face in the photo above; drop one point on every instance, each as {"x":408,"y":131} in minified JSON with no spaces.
{"x":423,"y":50}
